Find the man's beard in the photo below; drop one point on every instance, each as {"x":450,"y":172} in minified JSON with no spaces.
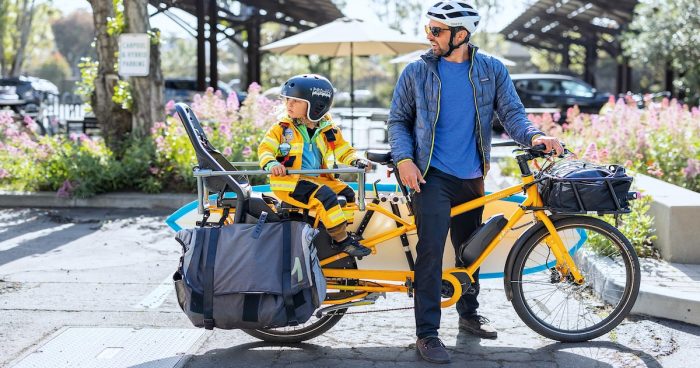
{"x":438,"y":51}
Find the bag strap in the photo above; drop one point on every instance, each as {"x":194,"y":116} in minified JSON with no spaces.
{"x":287,"y":273}
{"x":208,"y":302}
{"x":259,"y":226}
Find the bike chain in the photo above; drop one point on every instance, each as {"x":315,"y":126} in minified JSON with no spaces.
{"x":373,"y":311}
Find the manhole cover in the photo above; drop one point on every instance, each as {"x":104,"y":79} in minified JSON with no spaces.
{"x":78,"y":347}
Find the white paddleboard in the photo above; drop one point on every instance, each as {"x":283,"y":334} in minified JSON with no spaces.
{"x":390,"y":254}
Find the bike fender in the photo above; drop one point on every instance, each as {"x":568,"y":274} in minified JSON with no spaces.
{"x":519,"y":243}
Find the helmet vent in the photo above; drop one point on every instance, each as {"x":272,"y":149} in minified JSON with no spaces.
{"x":436,"y":15}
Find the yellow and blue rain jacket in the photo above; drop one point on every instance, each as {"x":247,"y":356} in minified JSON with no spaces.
{"x":328,"y":140}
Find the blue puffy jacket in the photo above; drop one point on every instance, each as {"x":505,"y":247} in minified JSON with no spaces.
{"x":415,"y":107}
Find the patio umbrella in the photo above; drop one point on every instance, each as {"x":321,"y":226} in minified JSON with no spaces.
{"x":415,"y":55}
{"x":348,"y":37}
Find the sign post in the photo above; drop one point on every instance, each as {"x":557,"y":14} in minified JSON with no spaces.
{"x":134,"y":54}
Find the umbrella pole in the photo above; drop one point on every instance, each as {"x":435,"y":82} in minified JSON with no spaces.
{"x":352,"y":99}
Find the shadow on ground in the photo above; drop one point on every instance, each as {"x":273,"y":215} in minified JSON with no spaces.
{"x":467,"y":352}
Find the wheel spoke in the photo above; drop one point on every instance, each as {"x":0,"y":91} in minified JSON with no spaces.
{"x":553,"y":304}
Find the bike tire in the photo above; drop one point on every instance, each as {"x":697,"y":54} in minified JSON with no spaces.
{"x":315,"y":326}
{"x":547,"y":304}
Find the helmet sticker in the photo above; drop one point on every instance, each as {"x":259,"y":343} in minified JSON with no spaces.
{"x":327,"y":93}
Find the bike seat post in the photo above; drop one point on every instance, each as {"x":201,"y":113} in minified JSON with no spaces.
{"x":361,"y":189}
{"x":402,"y":187}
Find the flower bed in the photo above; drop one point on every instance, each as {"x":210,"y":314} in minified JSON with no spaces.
{"x":82,"y":166}
{"x":661,"y":140}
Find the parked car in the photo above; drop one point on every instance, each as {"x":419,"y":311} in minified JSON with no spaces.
{"x":28,"y":96}
{"x":556,"y":92}
{"x":184,"y":89}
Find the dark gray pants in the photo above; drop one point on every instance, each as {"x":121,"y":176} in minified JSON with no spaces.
{"x":432,"y":207}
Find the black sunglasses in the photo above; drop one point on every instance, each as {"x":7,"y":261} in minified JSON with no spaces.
{"x":435,"y":31}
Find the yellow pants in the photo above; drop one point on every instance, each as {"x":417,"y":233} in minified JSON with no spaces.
{"x":319,"y":194}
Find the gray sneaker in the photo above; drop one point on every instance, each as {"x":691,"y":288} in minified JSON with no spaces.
{"x":352,"y":247}
{"x":432,"y":350}
{"x":477,"y":325}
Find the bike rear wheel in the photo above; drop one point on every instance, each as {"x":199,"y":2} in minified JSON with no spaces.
{"x":558,"y":308}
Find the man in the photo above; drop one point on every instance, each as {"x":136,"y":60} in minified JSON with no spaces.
{"x":440,"y":137}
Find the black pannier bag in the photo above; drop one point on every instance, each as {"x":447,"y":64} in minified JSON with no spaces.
{"x":580,"y":187}
{"x":249,"y":276}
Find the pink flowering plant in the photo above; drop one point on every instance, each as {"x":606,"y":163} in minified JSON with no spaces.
{"x":233,"y":128}
{"x":662,"y":140}
{"x":82,"y":166}
{"x":73,"y":166}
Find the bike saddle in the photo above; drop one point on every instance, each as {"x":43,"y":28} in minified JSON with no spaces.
{"x":381,"y":157}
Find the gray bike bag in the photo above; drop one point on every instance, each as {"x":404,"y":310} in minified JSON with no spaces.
{"x":249,"y":276}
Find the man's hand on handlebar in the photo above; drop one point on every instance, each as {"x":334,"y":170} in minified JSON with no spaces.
{"x":410,"y":175}
{"x":550,"y":143}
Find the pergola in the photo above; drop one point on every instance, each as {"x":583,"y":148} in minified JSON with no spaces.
{"x":555,"y":25}
{"x":240,"y":22}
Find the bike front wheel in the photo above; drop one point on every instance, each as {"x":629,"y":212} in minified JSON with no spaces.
{"x":554,"y":305}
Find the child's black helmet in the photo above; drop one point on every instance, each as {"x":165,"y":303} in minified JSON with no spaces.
{"x":312,"y":88}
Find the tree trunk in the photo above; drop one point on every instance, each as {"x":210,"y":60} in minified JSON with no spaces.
{"x":24,"y":25}
{"x":3,"y":25}
{"x":114,"y":121}
{"x":147,"y":92}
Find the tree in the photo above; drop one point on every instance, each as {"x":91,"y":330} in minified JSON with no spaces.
{"x":400,"y":14}
{"x":147,"y":92}
{"x":113,"y":119}
{"x":23,"y":32}
{"x":174,"y":61}
{"x":665,"y":33}
{"x":125,"y":108}
{"x":74,"y":35}
{"x":4,"y":11}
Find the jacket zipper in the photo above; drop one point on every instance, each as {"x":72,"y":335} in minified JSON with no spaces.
{"x":432,"y":144}
{"x":478,"y":119}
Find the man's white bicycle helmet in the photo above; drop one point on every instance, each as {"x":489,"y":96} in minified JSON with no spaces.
{"x":455,"y":14}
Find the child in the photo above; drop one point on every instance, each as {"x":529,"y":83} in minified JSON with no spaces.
{"x":305,"y":138}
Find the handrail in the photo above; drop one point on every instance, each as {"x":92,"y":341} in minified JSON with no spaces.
{"x":201,"y":174}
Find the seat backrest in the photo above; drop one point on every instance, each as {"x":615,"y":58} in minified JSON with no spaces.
{"x":210,"y":158}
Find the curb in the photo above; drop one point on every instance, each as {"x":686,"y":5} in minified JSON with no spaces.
{"x":655,"y":301}
{"x":665,"y":303}
{"x":164,"y":201}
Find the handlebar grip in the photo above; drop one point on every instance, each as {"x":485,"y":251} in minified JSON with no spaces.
{"x":539,"y":147}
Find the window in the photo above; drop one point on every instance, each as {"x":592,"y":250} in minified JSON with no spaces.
{"x":573,"y":88}
{"x":548,"y":86}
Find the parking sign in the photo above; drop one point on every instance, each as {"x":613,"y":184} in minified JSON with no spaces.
{"x":134,"y":54}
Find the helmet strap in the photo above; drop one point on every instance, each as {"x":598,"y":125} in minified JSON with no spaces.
{"x":453,"y":32}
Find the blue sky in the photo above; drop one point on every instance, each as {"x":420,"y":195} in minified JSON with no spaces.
{"x":355,"y":9}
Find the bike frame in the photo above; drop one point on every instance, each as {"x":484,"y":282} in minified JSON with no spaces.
{"x":564,"y":263}
{"x":380,"y":281}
